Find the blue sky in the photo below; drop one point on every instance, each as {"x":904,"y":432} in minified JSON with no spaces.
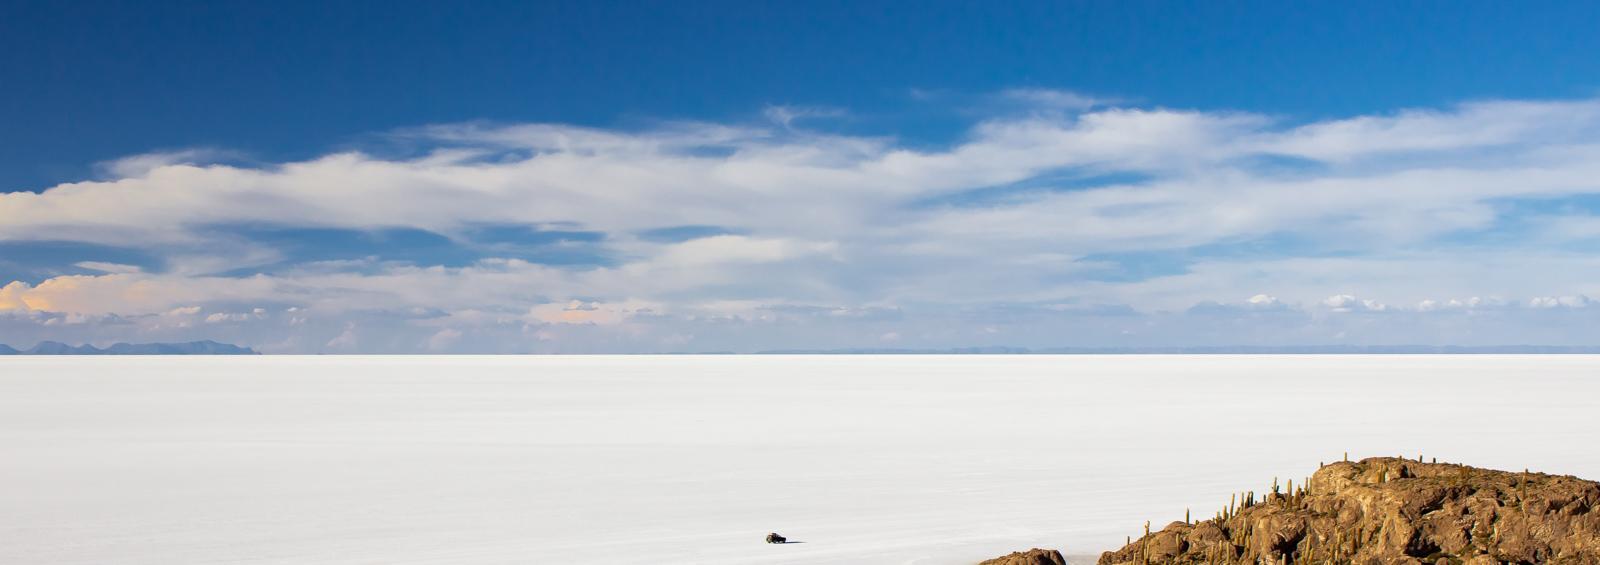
{"x":578,"y":177}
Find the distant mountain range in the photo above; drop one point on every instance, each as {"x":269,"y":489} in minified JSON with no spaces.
{"x":207,"y":347}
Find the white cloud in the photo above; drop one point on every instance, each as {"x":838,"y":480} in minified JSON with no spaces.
{"x":107,"y":267}
{"x":345,"y":341}
{"x":738,"y":249}
{"x":444,"y":339}
{"x":786,"y":116}
{"x":1469,"y":126}
{"x":1263,"y":301}
{"x":1032,"y":209}
{"x":1348,"y":303}
{"x":1578,"y":301}
{"x":223,"y":317}
{"x":580,"y":312}
{"x":140,"y":165}
{"x":1050,"y":98}
{"x":13,"y":296}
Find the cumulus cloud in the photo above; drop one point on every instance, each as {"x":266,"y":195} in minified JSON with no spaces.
{"x":1066,"y":205}
{"x":12,"y":296}
{"x":1264,"y":301}
{"x":1348,"y":303}
{"x":1578,"y":301}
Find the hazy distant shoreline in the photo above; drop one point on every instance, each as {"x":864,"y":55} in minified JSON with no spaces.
{"x":206,"y":347}
{"x":216,"y":348}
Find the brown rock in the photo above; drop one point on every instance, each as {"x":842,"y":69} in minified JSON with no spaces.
{"x":1390,"y":510}
{"x":1030,"y":557}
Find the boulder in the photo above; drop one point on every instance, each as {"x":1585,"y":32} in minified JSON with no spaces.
{"x":1029,"y":557}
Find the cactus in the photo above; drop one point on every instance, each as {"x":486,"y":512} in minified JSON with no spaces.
{"x":1522,"y":491}
{"x":1144,"y":543}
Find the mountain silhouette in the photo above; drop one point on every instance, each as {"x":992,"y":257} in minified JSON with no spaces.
{"x":206,"y":347}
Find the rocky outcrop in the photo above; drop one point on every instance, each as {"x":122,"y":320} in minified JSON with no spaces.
{"x":1391,"y":511}
{"x":1030,"y":557}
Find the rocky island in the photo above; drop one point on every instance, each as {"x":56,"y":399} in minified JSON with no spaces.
{"x":1383,"y":511}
